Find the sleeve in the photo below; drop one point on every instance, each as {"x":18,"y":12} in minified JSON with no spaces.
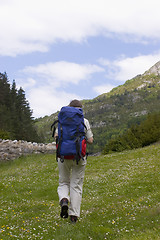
{"x":89,"y":133}
{"x":56,"y":131}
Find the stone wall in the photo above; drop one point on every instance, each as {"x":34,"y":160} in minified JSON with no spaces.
{"x":13,"y":149}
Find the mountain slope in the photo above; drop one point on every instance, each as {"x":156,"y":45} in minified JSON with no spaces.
{"x":112,"y":113}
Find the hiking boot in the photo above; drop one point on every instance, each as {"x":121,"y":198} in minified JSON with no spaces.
{"x":64,"y":208}
{"x":73,"y":219}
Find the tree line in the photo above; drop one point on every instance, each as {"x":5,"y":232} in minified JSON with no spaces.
{"x":16,"y":121}
{"x":137,"y":136}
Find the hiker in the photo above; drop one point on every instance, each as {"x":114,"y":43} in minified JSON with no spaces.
{"x":71,"y":174}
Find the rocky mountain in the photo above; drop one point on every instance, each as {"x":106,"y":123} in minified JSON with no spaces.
{"x":154,"y":70}
{"x":112,"y":113}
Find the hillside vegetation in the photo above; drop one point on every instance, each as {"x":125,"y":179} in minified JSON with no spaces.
{"x":137,"y":136}
{"x":120,"y":198}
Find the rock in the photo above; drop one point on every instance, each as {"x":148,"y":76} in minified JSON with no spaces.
{"x":10,"y":150}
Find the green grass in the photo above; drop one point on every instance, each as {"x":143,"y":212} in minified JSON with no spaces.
{"x":120,"y":198}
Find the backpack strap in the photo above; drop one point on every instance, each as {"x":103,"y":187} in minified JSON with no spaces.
{"x":54,"y":129}
{"x":84,"y":125}
{"x":77,"y":141}
{"x":59,"y":143}
{"x":78,"y":152}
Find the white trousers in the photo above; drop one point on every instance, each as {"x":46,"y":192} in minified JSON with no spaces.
{"x":70,"y":186}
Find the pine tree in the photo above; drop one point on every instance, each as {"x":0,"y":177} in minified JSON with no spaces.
{"x":4,"y":102}
{"x":15,"y":114}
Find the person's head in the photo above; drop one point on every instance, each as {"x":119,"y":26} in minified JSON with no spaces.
{"x":75,"y":103}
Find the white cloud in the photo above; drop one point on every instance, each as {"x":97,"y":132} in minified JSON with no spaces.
{"x":126,"y":68}
{"x":30,"y":26}
{"x":29,"y":83}
{"x":62,"y":72}
{"x":45,"y":100}
{"x":103,"y":88}
{"x":44,"y":84}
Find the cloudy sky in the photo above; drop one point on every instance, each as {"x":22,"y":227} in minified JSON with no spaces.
{"x":58,"y":50}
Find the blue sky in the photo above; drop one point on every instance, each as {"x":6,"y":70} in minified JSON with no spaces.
{"x":59,"y":50}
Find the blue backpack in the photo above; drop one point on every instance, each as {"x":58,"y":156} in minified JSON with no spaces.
{"x":71,"y":140}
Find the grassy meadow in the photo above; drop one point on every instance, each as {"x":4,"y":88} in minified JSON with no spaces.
{"x":121,"y":198}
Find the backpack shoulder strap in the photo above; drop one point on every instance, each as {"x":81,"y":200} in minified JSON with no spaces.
{"x":84,"y":125}
{"x":54,"y":129}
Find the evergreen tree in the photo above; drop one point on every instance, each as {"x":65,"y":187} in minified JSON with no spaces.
{"x":16,"y":119}
{"x":24,"y":115}
{"x":4,"y":90}
{"x":4,"y":101}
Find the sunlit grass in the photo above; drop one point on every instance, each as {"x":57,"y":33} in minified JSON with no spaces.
{"x":120,"y":198}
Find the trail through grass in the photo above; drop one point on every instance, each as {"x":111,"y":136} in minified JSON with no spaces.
{"x":120,"y":198}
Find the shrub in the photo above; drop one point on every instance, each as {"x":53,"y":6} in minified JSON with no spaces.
{"x":4,"y":134}
{"x":137,"y":136}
